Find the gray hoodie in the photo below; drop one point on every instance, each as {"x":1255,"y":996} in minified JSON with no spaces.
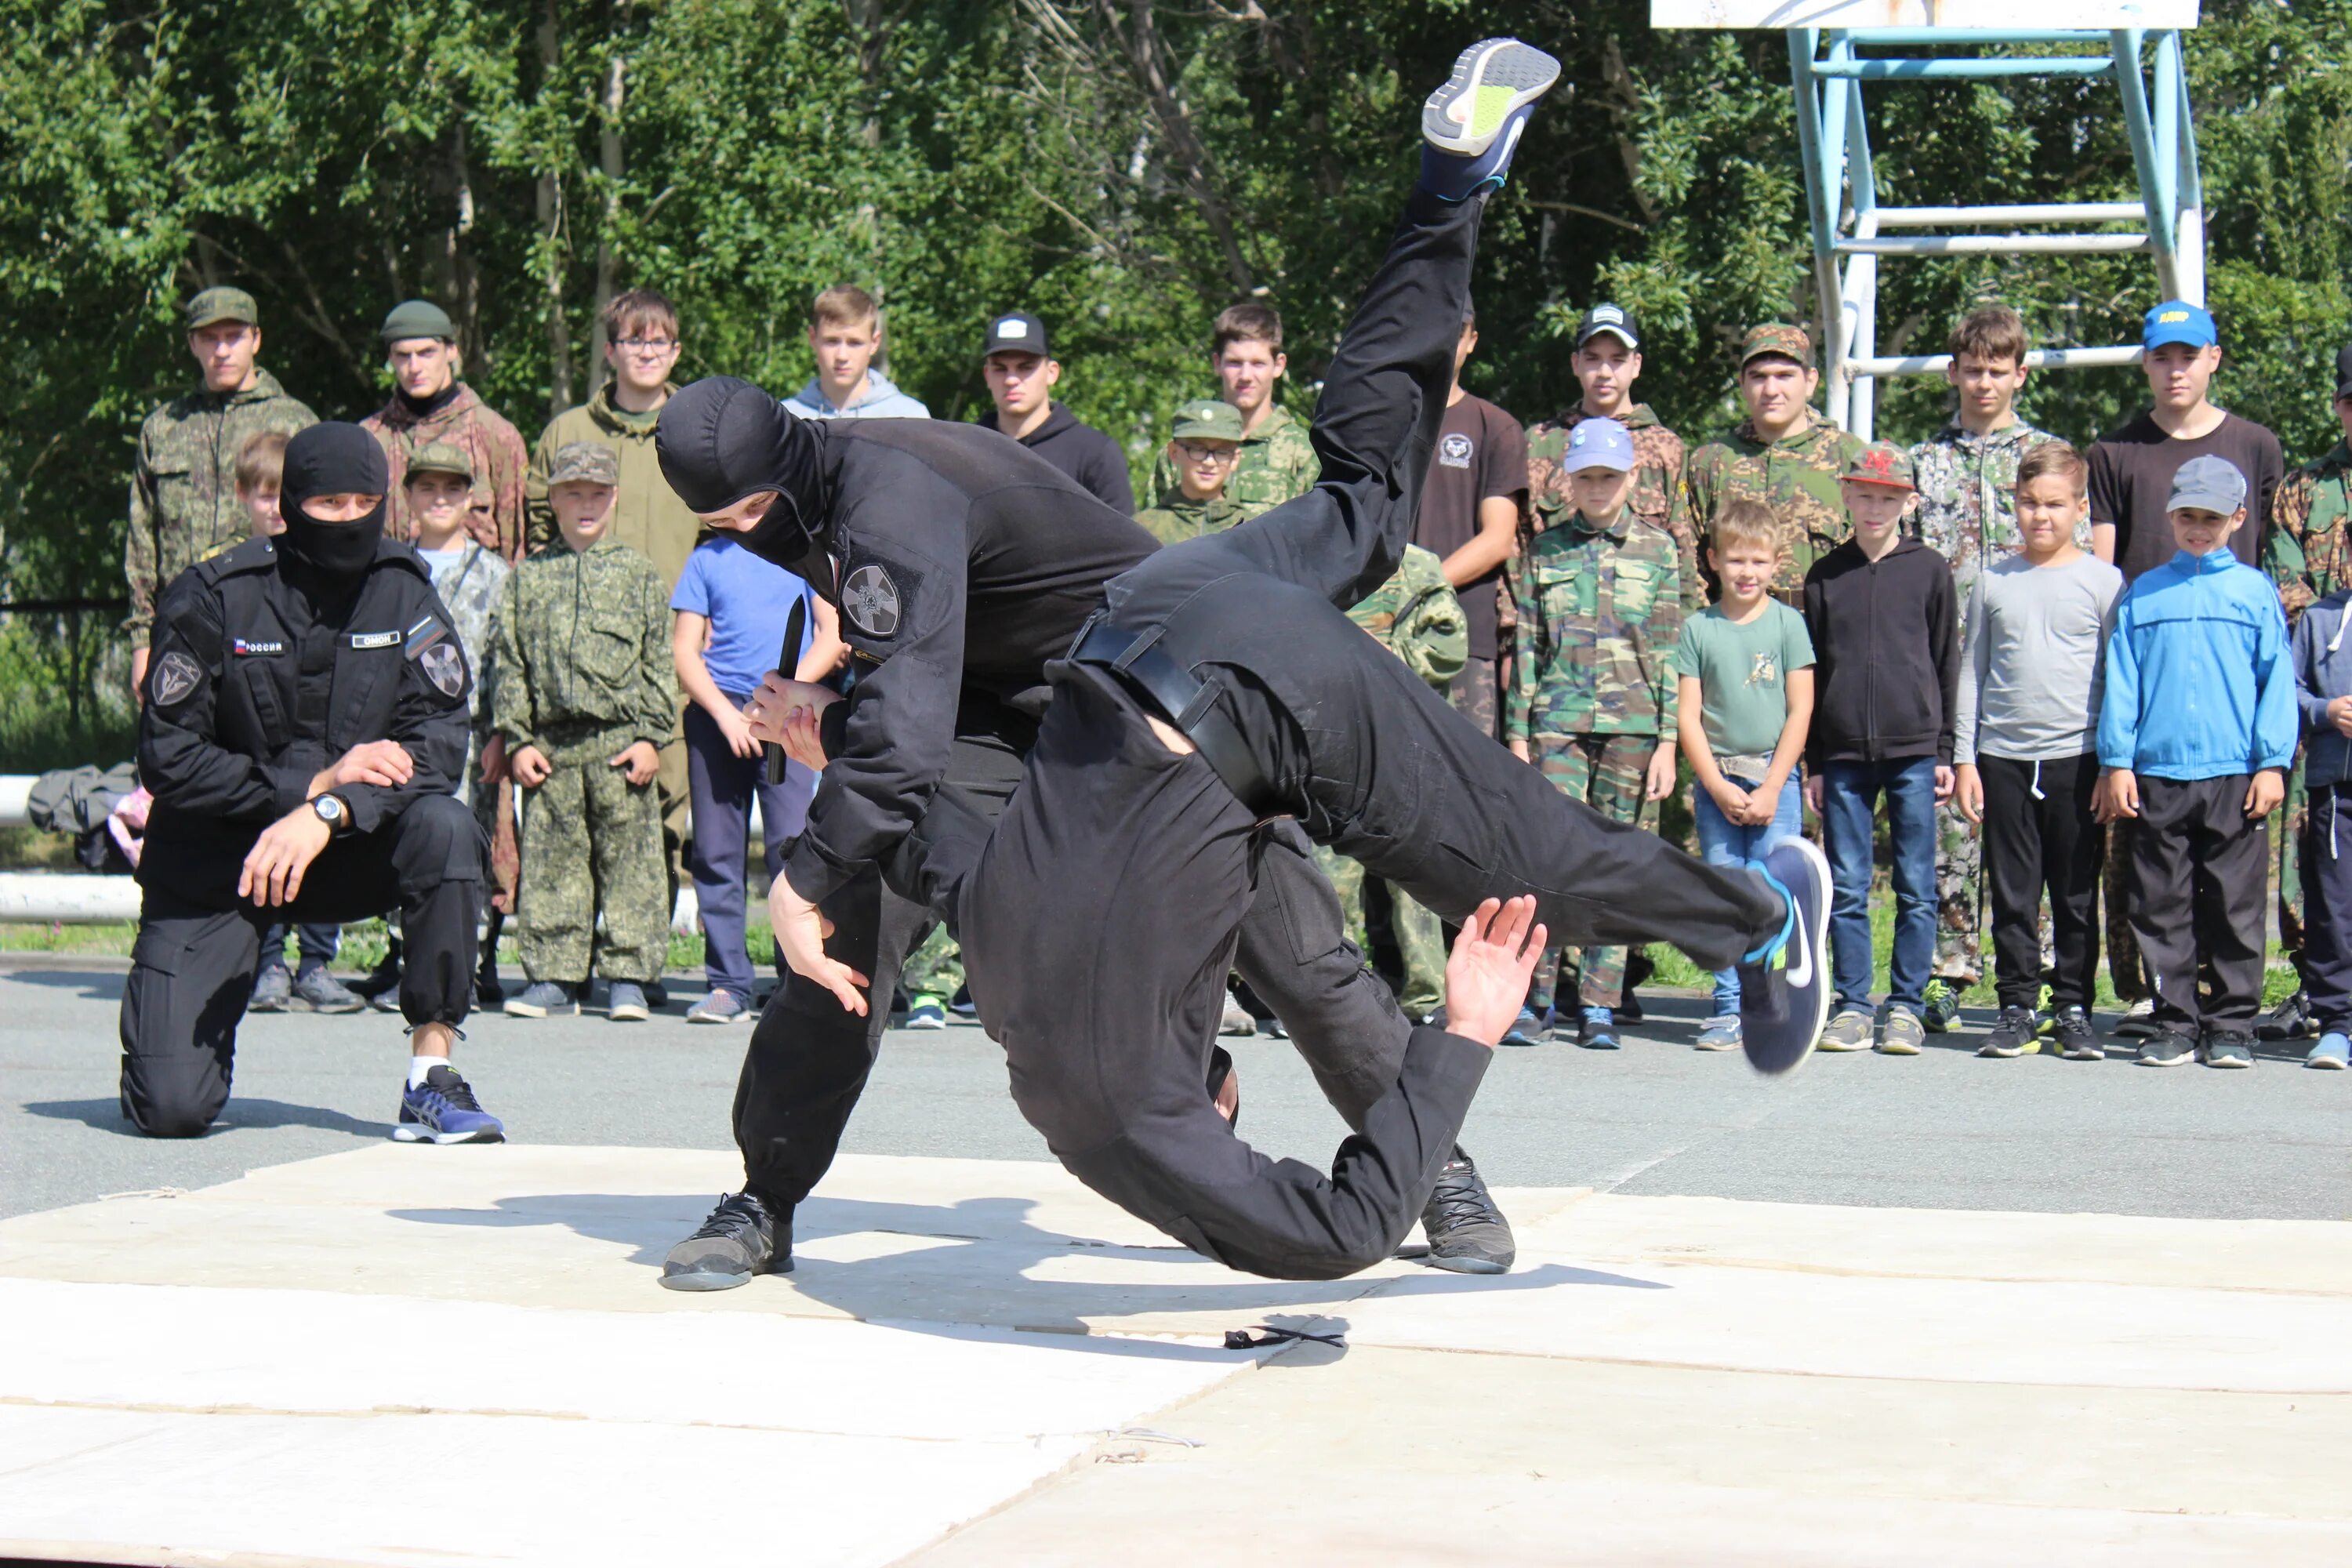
{"x":2323,"y":672}
{"x":883,"y":400}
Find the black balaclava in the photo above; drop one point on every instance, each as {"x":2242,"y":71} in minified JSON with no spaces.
{"x":332,"y":460}
{"x":722,"y":438}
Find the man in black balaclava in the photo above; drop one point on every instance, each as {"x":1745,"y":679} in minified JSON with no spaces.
{"x":305,"y":726}
{"x":960,"y":564}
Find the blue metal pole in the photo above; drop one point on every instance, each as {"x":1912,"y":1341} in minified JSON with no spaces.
{"x":2143,"y":141}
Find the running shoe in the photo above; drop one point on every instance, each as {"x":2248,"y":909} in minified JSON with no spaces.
{"x":1784,"y":986}
{"x":2012,"y":1033}
{"x":2234,"y":1050}
{"x":926,"y":1013}
{"x":1528,"y":1030}
{"x":2138,"y":1021}
{"x":442,"y":1109}
{"x":543,"y":999}
{"x":1940,"y":1005}
{"x":1719,"y":1033}
{"x":1468,"y":1233}
{"x":2292,"y":1019}
{"x":273,"y":990}
{"x":2166,"y":1048}
{"x":322,"y":993}
{"x":2043,"y":1011}
{"x":1236,"y":1019}
{"x":741,"y":1237}
{"x":1902,"y":1035}
{"x":2333,"y":1052}
{"x":1473,"y":123}
{"x":1597,"y":1030}
{"x":625,"y":1002}
{"x":722,"y":1007}
{"x":2077,"y":1040}
{"x":1854,"y":1029}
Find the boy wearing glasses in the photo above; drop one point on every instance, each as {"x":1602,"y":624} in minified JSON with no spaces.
{"x":1203,"y":450}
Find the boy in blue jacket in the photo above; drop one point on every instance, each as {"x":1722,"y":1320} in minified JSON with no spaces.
{"x":2323,"y":689}
{"x":2196,"y":732}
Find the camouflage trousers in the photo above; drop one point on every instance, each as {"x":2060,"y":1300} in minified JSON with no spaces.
{"x":934,"y":969}
{"x":1608,"y":774}
{"x":2290,"y":869}
{"x":591,"y":845}
{"x":1959,"y":896}
{"x":2126,"y":971}
{"x":1475,"y":694}
{"x":1420,"y":934}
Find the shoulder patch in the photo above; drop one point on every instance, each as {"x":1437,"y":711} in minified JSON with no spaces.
{"x":423,"y":634}
{"x":445,"y":667}
{"x":176,"y":675}
{"x":872,"y":600}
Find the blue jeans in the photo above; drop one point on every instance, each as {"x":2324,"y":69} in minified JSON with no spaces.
{"x":1850,"y":793}
{"x":722,"y":787}
{"x":1722,"y":842}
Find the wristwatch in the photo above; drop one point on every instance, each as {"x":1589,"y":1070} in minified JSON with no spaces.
{"x":333,"y":812}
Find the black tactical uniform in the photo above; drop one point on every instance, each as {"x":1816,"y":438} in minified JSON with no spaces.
{"x":268,"y":665}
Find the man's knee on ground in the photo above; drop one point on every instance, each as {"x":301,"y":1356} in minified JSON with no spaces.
{"x":182,"y":1110}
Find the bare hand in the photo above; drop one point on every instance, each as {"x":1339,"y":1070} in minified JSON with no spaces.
{"x":385,"y":764}
{"x":2264,"y":793}
{"x":1486,"y":976}
{"x":274,"y":866}
{"x":640,"y":762}
{"x":800,"y":932}
{"x":771,"y":708}
{"x":529,"y":766}
{"x":1813,"y":794}
{"x":2339,"y":713}
{"x":1731,"y":800}
{"x":1944,"y":784}
{"x":139,"y":674}
{"x":805,"y":741}
{"x":2118,"y":795}
{"x":1660,"y":780}
{"x":1520,"y":750}
{"x":494,"y":759}
{"x":1762,"y":804}
{"x":736,"y":732}
{"x":1968,"y":791}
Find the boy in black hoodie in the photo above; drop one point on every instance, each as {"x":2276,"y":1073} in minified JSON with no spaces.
{"x":1881,"y":611}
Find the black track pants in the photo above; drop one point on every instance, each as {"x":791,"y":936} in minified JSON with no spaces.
{"x":2200,"y":880}
{"x":2038,"y":833}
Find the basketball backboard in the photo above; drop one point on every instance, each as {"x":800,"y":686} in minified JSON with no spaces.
{"x":1955,"y":16}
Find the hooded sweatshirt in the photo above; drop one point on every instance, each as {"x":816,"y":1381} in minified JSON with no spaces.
{"x":1887,"y":675}
{"x":881,"y":400}
{"x":1081,"y":451}
{"x":2323,"y":672}
{"x":2197,"y":683}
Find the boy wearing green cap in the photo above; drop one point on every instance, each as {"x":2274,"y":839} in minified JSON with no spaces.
{"x":1783,"y":453}
{"x":431,"y":404}
{"x":1203,"y":452}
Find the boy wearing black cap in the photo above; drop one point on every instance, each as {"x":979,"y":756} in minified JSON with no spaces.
{"x":429,"y":404}
{"x":1022,"y":373}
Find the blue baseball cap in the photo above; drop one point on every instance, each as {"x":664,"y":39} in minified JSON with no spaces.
{"x":2178,"y":321}
{"x":1597,"y":444}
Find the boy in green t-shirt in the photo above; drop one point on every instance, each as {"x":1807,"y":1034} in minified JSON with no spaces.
{"x":1746,"y":699}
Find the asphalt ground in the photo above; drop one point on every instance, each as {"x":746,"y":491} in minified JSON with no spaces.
{"x":1943,"y":1130}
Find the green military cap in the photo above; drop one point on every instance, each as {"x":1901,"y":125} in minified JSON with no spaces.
{"x":222,"y":305}
{"x":584,"y":463}
{"x":417,"y":319}
{"x":1881,"y":463}
{"x":1776,"y":338}
{"x":441,"y":458}
{"x":1207,"y":419}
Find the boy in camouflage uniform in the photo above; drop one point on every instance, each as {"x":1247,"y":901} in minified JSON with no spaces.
{"x":431,"y":406}
{"x":1782,"y":454}
{"x":1967,"y":475}
{"x":584,"y":697}
{"x":1607,"y":361}
{"x":1201,"y":452}
{"x":183,"y":482}
{"x":1416,"y":615}
{"x":1599,"y":605}
{"x":2309,"y":556}
{"x":1276,"y":462}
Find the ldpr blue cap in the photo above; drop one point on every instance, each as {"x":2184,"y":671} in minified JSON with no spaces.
{"x":1597,"y":444}
{"x":2178,"y":321}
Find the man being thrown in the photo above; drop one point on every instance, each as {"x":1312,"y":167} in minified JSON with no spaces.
{"x":1221,"y":687}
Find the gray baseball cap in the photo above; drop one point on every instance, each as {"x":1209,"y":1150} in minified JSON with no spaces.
{"x":2208,"y":484}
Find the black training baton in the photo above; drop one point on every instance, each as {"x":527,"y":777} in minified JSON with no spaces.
{"x":788,"y":661}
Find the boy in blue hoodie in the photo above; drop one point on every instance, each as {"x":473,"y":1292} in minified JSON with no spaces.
{"x":2196,"y":729}
{"x":2323,"y":689}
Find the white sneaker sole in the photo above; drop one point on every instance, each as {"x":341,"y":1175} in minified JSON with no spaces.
{"x":415,"y":1132}
{"x":1491,"y":80}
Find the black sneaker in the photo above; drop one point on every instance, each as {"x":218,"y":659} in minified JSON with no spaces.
{"x":2077,"y":1040}
{"x":739,"y":1239}
{"x":380,"y":985}
{"x":2167,"y":1048}
{"x":2234,"y":1050}
{"x":273,"y":990}
{"x":1785,"y":994}
{"x":1468,"y":1233}
{"x":2292,"y":1019}
{"x":2011,"y":1034}
{"x":1638,"y":971}
{"x":325,"y":994}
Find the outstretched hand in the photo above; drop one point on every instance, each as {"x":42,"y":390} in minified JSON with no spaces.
{"x":1486,"y":976}
{"x":800,"y":932}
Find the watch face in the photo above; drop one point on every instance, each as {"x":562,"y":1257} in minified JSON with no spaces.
{"x":329,"y":808}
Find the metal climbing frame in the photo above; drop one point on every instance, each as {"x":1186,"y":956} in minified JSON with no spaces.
{"x":1850,"y":228}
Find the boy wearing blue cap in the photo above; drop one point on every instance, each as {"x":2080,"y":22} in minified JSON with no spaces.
{"x":1592,"y":693}
{"x":2195,"y":730}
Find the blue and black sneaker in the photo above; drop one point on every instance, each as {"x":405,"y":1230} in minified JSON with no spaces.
{"x":1784,"y":986}
{"x":442,"y":1109}
{"x":1597,"y":1031}
{"x":1472,"y":124}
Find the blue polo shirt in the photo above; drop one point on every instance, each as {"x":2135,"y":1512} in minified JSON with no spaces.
{"x":748,"y":602}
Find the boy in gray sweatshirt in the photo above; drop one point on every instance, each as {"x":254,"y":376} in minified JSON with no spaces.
{"x":2323,"y":690}
{"x":2026,"y":745}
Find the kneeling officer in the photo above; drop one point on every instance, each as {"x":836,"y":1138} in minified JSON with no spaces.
{"x":304,"y":730}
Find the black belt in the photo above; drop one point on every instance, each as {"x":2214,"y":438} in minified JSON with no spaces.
{"x":1183,"y":699}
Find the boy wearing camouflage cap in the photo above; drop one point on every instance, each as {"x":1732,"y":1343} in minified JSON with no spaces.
{"x":1593,"y":685}
{"x":585,"y":696}
{"x":1782,"y":454}
{"x":1203,"y":451}
{"x":1883,"y":617}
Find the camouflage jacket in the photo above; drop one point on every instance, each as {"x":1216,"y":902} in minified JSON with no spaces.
{"x":2309,"y":552}
{"x":1416,"y":615}
{"x":1796,"y":475}
{"x":1277,"y":462}
{"x":1598,"y":614}
{"x":1176,"y":518}
{"x":1968,"y":497}
{"x":184,"y":503}
{"x":582,"y":652}
{"x":471,"y":588}
{"x":647,"y":516}
{"x":1658,"y":484}
{"x":499,"y":460}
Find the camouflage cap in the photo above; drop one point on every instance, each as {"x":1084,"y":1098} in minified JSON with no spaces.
{"x":1881,"y":463}
{"x":584,"y":463}
{"x":222,"y":305}
{"x":441,"y":458}
{"x":1207,"y":419}
{"x":1776,"y":338}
